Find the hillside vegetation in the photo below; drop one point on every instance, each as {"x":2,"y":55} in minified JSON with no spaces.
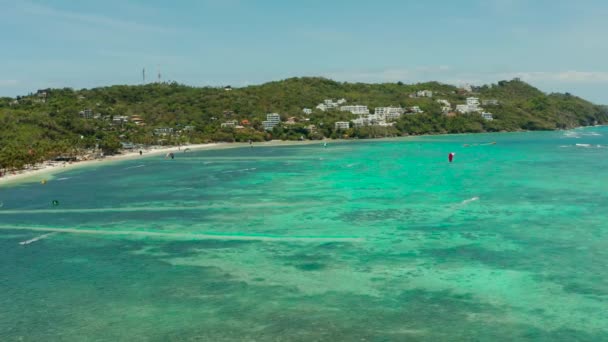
{"x":47,"y":124}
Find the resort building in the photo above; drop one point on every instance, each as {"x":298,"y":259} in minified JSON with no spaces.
{"x":342,"y":125}
{"x":272,"y":120}
{"x":389,"y":113}
{"x":360,"y":122}
{"x":307,"y":111}
{"x":356,"y":109}
{"x":487,"y":116}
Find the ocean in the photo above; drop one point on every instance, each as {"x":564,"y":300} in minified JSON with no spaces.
{"x":375,"y":240}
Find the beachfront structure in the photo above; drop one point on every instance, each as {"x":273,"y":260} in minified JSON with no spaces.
{"x":342,"y":125}
{"x":272,"y":120}
{"x":489,"y":102}
{"x":86,"y":114}
{"x":356,"y":109}
{"x":229,"y":124}
{"x":487,"y":116}
{"x":307,"y":111}
{"x":163,"y":131}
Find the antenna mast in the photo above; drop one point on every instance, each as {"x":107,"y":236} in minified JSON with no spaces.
{"x":159,"y":74}
{"x":143,"y":75}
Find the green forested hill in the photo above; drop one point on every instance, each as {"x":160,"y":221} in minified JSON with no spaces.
{"x":40,"y":126}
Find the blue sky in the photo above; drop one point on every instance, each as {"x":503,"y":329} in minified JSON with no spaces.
{"x":555,"y":45}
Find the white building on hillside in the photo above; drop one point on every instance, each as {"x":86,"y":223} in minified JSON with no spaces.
{"x":356,"y":109}
{"x":389,"y":113}
{"x":342,"y":125}
{"x":307,"y":111}
{"x":487,"y":116}
{"x":473,"y":102}
{"x":229,"y":124}
{"x":416,"y":110}
{"x":86,"y":114}
{"x":424,"y":93}
{"x":462,"y":108}
{"x":471,"y":106}
{"x":120,"y":119}
{"x":272,"y":120}
{"x":163,"y":131}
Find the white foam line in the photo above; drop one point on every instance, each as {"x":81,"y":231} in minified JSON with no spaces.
{"x":187,"y":236}
{"x":213,"y":205}
{"x":134,"y":167}
{"x":241,"y":170}
{"x":38,"y":238}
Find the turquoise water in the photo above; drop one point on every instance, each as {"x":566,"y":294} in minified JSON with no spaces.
{"x":370,"y":240}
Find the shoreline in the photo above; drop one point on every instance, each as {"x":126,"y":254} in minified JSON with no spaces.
{"x":47,"y":169}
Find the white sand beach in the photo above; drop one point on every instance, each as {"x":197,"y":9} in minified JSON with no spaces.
{"x":46,"y":170}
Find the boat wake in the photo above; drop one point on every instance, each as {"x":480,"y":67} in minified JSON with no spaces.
{"x":465,"y":202}
{"x":38,"y":238}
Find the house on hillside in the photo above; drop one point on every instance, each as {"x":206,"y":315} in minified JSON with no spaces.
{"x":86,"y":114}
{"x":487,"y":116}
{"x":342,"y":125}
{"x":272,"y":120}
{"x":163,"y":131}
{"x":229,"y":124}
